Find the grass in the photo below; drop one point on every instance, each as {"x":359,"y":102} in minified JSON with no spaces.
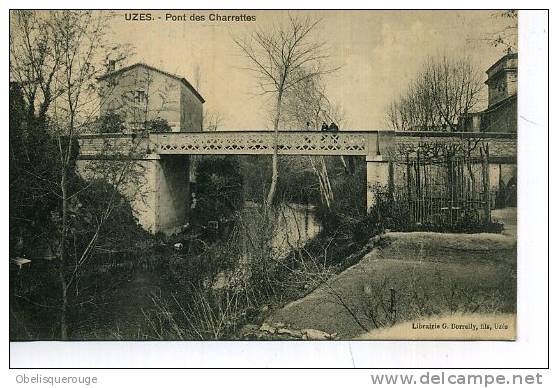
{"x":414,"y":275}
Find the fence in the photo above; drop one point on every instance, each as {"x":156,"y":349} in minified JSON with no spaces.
{"x":447,"y":189}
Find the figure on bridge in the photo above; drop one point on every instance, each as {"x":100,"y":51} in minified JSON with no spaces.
{"x":324,"y":127}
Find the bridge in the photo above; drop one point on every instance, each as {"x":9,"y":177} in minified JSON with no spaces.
{"x":239,"y":143}
{"x":165,"y":160}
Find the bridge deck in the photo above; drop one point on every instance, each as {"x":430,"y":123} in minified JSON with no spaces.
{"x":365,"y":143}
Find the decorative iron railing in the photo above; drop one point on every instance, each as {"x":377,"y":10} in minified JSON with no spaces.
{"x":261,"y":142}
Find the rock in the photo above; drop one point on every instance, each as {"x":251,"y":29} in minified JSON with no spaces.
{"x":261,"y":336}
{"x":221,"y":281}
{"x":290,"y":333}
{"x":248,"y":330}
{"x":266,"y":327}
{"x":313,"y":334}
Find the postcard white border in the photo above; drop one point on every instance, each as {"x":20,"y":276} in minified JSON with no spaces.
{"x":528,"y":351}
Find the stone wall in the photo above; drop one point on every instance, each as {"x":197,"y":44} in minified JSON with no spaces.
{"x":172,"y":191}
{"x":137,"y":189}
{"x":502,"y":117}
{"x":502,"y":146}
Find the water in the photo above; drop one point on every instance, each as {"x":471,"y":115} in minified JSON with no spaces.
{"x":294,"y":225}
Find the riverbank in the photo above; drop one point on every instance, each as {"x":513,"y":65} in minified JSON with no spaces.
{"x":333,"y":287}
{"x":408,"y":277}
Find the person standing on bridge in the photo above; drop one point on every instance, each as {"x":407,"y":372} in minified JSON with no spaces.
{"x":333,"y":127}
{"x":324,"y":127}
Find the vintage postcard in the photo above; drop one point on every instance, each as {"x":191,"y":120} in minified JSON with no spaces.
{"x":263,"y":175}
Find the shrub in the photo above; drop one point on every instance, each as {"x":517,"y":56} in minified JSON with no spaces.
{"x":349,"y":206}
{"x":395,"y":215}
{"x":111,"y":122}
{"x":218,"y":192}
{"x":158,"y":125}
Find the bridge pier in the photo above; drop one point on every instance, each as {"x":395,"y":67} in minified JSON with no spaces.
{"x":171,"y":189}
{"x":158,"y":188}
{"x":377,"y":175}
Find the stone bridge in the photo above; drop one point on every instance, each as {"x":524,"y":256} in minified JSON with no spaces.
{"x":165,"y":161}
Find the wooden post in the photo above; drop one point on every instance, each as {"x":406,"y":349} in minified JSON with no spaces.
{"x":418,"y":188}
{"x":391,"y":182}
{"x":486,"y":182}
{"x":449,"y":173}
{"x":409,"y":184}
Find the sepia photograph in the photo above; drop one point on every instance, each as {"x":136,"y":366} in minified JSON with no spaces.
{"x":263,"y":175}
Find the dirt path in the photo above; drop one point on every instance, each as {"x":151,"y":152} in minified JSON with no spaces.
{"x":509,"y":217}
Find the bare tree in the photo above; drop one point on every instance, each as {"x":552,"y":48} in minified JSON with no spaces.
{"x":307,"y":107}
{"x":282,"y":57}
{"x":212,"y":120}
{"x":443,"y":91}
{"x":506,"y":36}
{"x":35,"y":57}
{"x":197,"y":77}
{"x":59,"y":69}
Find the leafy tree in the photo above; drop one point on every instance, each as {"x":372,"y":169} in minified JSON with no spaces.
{"x":158,"y":125}
{"x":111,"y":122}
{"x":33,"y":178}
{"x":218,"y":193}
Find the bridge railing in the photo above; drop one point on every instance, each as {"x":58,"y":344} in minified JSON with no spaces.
{"x":366,"y":143}
{"x":262,"y":142}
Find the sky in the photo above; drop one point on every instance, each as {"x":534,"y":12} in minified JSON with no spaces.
{"x":379,"y":52}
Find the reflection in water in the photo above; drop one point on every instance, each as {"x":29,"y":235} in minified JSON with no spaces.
{"x":294,"y":226}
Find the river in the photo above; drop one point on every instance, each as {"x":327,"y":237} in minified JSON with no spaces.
{"x":295,"y":225}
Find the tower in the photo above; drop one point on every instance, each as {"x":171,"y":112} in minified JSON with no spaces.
{"x":502,"y":79}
